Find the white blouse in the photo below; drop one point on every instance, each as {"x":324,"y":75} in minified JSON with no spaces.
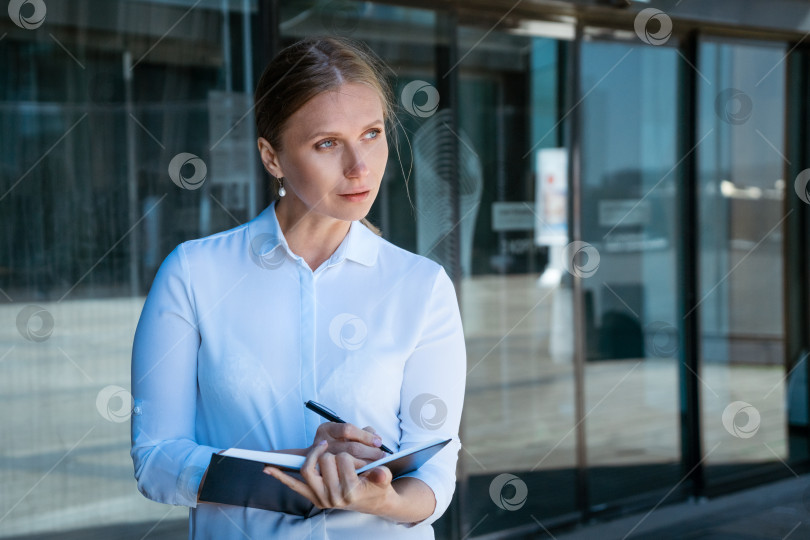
{"x":237,"y":332}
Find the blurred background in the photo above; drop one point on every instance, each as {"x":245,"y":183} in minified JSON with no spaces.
{"x":618,"y":190}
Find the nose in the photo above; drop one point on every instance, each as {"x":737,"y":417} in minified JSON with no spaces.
{"x":355,"y":164}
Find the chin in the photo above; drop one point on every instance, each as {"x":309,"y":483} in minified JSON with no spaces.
{"x":353,"y":212}
{"x":355,"y":215}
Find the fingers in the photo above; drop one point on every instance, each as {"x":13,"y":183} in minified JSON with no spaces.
{"x":350,"y":432}
{"x":294,"y":484}
{"x":331,"y":480}
{"x":349,"y":482}
{"x":313,"y":487}
{"x":359,"y":451}
{"x":363,"y":444}
{"x":314,"y":477}
{"x":311,"y":462}
{"x":379,"y":475}
{"x":338,"y":479}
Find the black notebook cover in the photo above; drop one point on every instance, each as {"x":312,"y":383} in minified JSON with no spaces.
{"x":407,"y":461}
{"x":241,"y":482}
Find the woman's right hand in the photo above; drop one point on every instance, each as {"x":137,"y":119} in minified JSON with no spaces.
{"x":363,"y":444}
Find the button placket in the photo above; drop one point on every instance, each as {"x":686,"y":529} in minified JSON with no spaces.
{"x":308,"y":339}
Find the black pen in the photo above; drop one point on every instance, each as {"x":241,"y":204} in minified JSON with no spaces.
{"x":332,"y":417}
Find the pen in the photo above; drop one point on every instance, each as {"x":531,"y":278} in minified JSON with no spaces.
{"x":332,"y":417}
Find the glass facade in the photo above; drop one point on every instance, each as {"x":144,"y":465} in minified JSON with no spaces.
{"x":569,"y":175}
{"x":629,"y":183}
{"x":741,"y":173}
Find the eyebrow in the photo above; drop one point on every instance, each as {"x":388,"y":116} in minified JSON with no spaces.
{"x":334,"y":133}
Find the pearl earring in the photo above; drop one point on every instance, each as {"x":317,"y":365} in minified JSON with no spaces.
{"x":281,"y":190}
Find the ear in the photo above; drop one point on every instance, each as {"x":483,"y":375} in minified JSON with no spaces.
{"x":269,"y":158}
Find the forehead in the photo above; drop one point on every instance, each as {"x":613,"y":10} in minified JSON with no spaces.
{"x":346,"y":109}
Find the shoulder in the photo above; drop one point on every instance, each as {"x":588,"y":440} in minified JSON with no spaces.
{"x":218,"y":253}
{"x":216,"y":240}
{"x":403,"y":266}
{"x":219,"y":246}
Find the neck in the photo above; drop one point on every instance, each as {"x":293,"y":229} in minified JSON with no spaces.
{"x":310,"y":235}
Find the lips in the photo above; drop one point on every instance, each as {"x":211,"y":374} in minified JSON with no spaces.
{"x":356,"y":196}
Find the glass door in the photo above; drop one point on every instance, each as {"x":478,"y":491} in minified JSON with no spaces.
{"x":741,"y":163}
{"x":628,"y":264}
{"x":519,"y":426}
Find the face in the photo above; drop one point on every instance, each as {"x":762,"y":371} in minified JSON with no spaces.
{"x":334,"y":153}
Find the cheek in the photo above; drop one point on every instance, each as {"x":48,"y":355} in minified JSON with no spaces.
{"x":311,"y":167}
{"x":380,"y":157}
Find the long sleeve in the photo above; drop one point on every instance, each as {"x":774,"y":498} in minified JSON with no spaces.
{"x":432,"y":392}
{"x":168,"y":463}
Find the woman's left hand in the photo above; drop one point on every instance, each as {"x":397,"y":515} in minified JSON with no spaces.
{"x":331,"y":482}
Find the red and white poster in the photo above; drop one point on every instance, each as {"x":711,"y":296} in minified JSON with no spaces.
{"x":551,"y":197}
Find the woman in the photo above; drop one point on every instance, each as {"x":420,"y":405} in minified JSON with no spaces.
{"x":304,"y":302}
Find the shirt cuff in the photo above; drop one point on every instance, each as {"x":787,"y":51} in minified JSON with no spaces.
{"x":188,"y":483}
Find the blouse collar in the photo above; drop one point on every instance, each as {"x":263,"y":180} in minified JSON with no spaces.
{"x":360,"y":245}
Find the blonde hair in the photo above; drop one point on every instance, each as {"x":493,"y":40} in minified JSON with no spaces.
{"x":309,"y":67}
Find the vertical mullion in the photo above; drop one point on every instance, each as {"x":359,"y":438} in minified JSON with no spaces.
{"x":688,"y":272}
{"x":794,"y":250}
{"x":574,"y":145}
{"x":268,"y":34}
{"x":447,"y":85}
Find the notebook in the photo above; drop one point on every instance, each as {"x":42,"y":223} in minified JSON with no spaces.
{"x":235,"y":477}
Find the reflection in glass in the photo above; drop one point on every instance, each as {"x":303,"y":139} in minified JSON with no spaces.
{"x":94,"y":107}
{"x":519,"y":455}
{"x":741,"y":163}
{"x":628,"y":217}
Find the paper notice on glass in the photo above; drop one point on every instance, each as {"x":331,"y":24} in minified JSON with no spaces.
{"x":551,"y":197}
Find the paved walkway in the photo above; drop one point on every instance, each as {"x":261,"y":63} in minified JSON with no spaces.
{"x":777,"y":511}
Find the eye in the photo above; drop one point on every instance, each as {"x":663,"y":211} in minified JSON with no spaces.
{"x":375,"y":132}
{"x":328,"y":143}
